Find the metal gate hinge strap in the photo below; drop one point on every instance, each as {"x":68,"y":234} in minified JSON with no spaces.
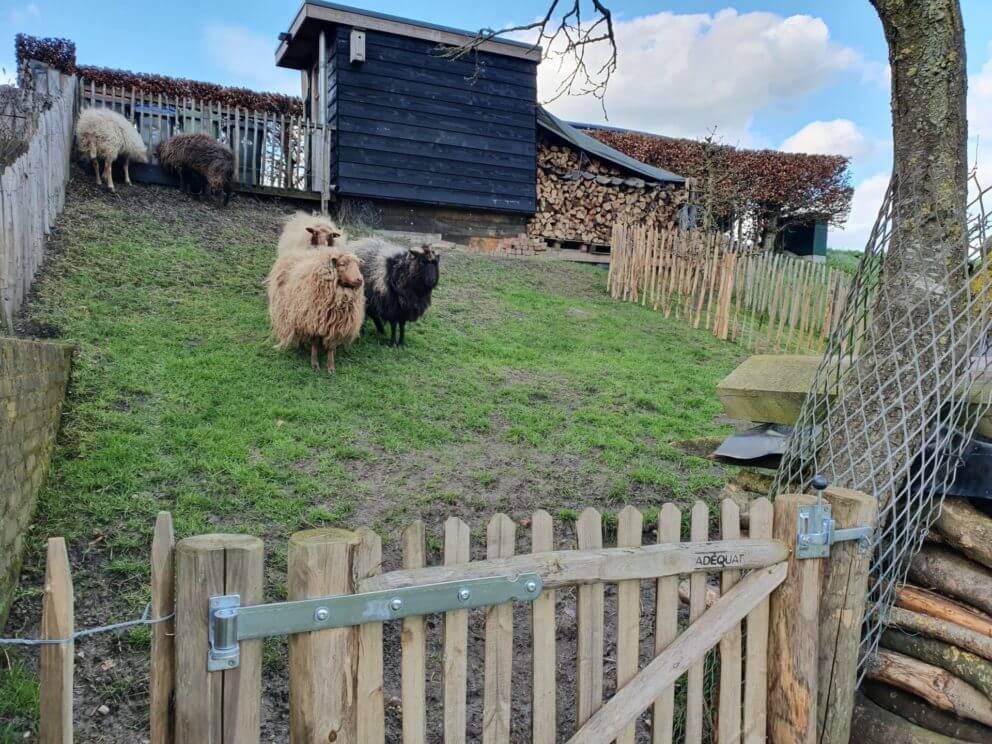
{"x":230,"y":623}
{"x":816,"y":532}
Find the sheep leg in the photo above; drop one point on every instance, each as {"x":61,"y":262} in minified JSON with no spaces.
{"x":127,"y":173}
{"x":330,"y":360}
{"x":96,"y":170}
{"x":378,"y":325}
{"x":392,"y":333}
{"x":314,"y":355}
{"x":108,"y":173}
{"x":402,"y":332}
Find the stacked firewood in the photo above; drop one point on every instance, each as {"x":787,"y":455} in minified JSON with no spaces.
{"x":931,"y":680}
{"x":579,"y":197}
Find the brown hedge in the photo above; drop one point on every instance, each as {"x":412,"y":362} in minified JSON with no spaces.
{"x":766,"y":183}
{"x":58,"y":53}
{"x":275,"y":103}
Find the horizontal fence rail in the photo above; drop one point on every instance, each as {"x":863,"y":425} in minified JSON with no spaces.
{"x":766,"y":301}
{"x":271,"y":150}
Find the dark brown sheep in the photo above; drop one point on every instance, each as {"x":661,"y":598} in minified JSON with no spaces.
{"x":200,"y":161}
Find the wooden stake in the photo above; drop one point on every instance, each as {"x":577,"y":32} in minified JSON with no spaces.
{"x":545,"y":657}
{"x":162,"y":671}
{"x":792,"y":653}
{"x":630,"y":525}
{"x":371,"y":722}
{"x":56,"y":668}
{"x":589,"y":674}
{"x":413,"y":642}
{"x":729,"y":721}
{"x":323,"y":665}
{"x":456,"y":550}
{"x":496,"y":712}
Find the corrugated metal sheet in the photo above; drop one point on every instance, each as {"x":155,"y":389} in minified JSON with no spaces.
{"x":594,"y":147}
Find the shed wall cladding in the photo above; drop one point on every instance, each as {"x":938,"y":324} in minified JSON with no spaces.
{"x":415,"y":126}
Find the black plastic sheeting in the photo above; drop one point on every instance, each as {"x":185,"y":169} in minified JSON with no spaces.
{"x":764,"y":445}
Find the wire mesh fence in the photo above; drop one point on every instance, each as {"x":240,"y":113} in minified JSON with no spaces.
{"x":894,"y":403}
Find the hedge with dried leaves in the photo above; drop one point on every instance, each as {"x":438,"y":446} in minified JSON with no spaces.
{"x":275,"y":103}
{"x":57,"y":53}
{"x":766,"y":183}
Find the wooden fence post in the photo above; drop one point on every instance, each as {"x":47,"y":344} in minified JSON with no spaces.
{"x":793,"y":633}
{"x":323,"y":665}
{"x":842,"y":608}
{"x":162,"y":671}
{"x":370,"y":728}
{"x":216,"y":707}
{"x":56,"y":660}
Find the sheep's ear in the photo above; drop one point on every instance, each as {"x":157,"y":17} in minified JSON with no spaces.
{"x":417,"y":250}
{"x":311,"y":230}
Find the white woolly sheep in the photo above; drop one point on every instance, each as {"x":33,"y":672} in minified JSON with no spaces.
{"x":303,"y":231}
{"x":103,"y":134}
{"x":316,"y":296}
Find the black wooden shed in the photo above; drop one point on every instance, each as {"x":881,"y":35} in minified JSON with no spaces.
{"x":408,"y":123}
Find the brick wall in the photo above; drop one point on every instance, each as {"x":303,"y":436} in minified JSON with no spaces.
{"x":33,"y":378}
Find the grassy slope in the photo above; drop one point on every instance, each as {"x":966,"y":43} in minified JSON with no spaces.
{"x":523,"y":387}
{"x":846,"y":261}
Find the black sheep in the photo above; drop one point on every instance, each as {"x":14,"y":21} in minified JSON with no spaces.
{"x":398,"y":283}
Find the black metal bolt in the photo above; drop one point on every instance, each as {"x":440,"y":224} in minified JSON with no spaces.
{"x":819,"y":482}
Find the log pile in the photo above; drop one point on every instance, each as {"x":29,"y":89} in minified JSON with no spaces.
{"x":931,"y":680}
{"x":580,"y":197}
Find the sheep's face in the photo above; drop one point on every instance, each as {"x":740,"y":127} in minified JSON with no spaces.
{"x":321,"y":235}
{"x":426,"y":265}
{"x":349,"y":270}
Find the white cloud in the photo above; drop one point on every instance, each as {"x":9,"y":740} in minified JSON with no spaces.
{"x":681,"y":74}
{"x":836,"y":137}
{"x":247,"y":59}
{"x":868,"y":197}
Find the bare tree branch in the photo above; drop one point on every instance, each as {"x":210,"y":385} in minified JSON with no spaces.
{"x":564,"y":37}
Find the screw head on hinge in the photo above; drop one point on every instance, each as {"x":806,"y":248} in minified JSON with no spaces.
{"x":395,"y":604}
{"x":321,"y":614}
{"x":464,"y":595}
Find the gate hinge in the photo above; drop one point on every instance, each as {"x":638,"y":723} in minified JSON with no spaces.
{"x":229,"y":623}
{"x":816,"y":530}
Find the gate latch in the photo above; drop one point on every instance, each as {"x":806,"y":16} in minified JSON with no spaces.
{"x":815,"y":528}
{"x":230,"y":623}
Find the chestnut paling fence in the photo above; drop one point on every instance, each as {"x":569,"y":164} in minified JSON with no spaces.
{"x":766,"y":301}
{"x":271,"y":150}
{"x":751,"y":603}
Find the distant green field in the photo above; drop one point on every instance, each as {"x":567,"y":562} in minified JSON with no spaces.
{"x":846,"y":261}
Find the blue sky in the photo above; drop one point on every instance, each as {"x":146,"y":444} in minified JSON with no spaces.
{"x":801,"y":74}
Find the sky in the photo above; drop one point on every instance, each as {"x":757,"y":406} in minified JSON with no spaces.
{"x":800,"y":75}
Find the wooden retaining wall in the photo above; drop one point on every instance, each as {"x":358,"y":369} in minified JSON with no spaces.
{"x":32,"y":189}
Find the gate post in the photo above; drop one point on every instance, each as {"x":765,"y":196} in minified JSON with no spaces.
{"x":842,"y":608}
{"x":793,"y":635}
{"x":216,"y":707}
{"x":323,"y":665}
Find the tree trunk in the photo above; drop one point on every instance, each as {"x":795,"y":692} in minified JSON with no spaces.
{"x":972,"y":669}
{"x":926,"y":254}
{"x":916,"y":711}
{"x":874,"y":725}
{"x":933,"y":684}
{"x":942,"y":630}
{"x":950,"y":573}
{"x":968,"y":530}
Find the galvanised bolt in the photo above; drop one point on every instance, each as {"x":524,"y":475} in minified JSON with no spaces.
{"x":321,"y":614}
{"x":463,"y":595}
{"x":395,"y":604}
{"x":531,"y":586}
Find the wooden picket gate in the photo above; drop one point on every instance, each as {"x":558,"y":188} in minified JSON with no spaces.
{"x":763,"y":615}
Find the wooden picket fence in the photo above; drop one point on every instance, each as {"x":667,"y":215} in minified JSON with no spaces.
{"x":764,"y":613}
{"x":271,"y":151}
{"x":766,"y":301}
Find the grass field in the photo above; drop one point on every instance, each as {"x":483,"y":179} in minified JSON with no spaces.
{"x":523,"y":387}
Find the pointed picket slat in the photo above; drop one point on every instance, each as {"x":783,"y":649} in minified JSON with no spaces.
{"x":666,"y":625}
{"x":589,"y":664}
{"x":697,"y":606}
{"x":496,"y":705}
{"x":413,"y":645}
{"x":456,"y":550}
{"x":729,"y":714}
{"x":545,"y":656}
{"x":630,"y":526}
{"x":756,"y":652}
{"x":369,"y":701}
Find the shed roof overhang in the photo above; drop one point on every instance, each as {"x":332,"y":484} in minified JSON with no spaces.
{"x":297,"y":51}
